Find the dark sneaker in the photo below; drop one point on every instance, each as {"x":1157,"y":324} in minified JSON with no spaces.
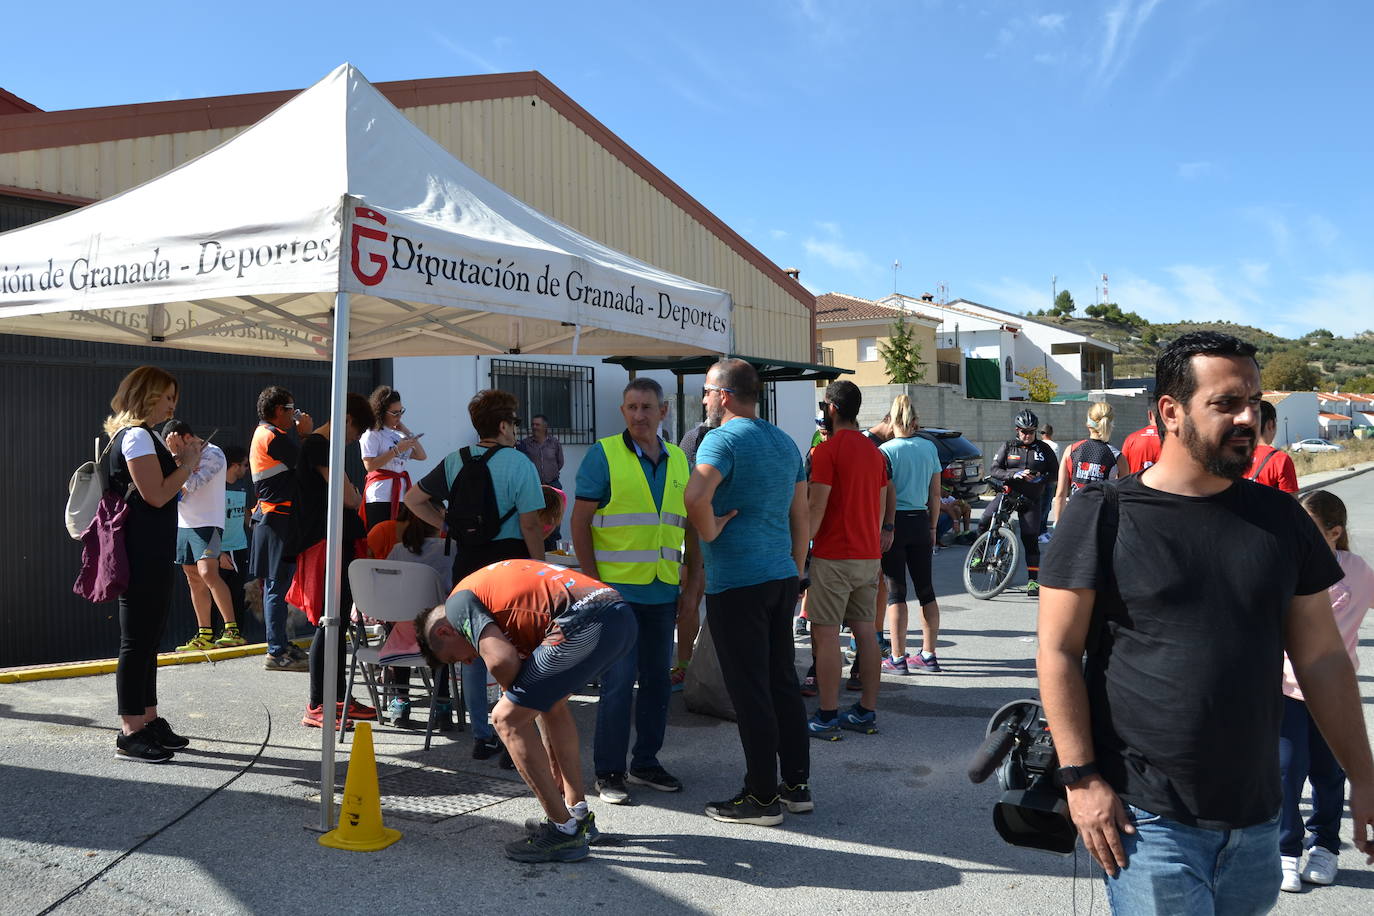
{"x":612,"y":789}
{"x":747,"y":809}
{"x":549,"y":844}
{"x":141,"y":747}
{"x":588,"y":825}
{"x":863,"y":723}
{"x":286,"y":662}
{"x":164,"y":735}
{"x":486,"y":748}
{"x":824,"y":729}
{"x":797,"y":799}
{"x":443,"y":716}
{"x":808,"y":686}
{"x":297,"y":652}
{"x":1032,"y":589}
{"x":655,"y":778}
{"x":506,"y":762}
{"x":854,"y":683}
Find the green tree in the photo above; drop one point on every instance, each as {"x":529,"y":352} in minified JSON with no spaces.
{"x":1362,"y":384}
{"x":1288,"y":371}
{"x":902,"y":355}
{"x":1037,"y":385}
{"x":1320,"y":332}
{"x":1063,"y":305}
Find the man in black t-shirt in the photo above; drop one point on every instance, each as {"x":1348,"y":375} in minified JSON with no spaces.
{"x":1187,"y":588}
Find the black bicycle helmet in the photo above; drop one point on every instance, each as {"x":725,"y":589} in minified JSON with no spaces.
{"x":1027,"y":419}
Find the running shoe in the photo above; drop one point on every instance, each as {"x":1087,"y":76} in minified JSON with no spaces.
{"x":800,"y":627}
{"x":1290,"y":881}
{"x":549,"y":844}
{"x":747,"y":809}
{"x":443,"y":716}
{"x":230,"y":638}
{"x":588,"y":825}
{"x":398,"y":713}
{"x":797,"y":799}
{"x":612,"y":789}
{"x":358,"y":710}
{"x":808,"y":686}
{"x":314,"y":717}
{"x":486,"y":748}
{"x":655,"y":778}
{"x":162,"y":732}
{"x":297,"y":652}
{"x":824,"y":729}
{"x":1032,"y":589}
{"x":895,"y":666}
{"x":677,"y":677}
{"x":286,"y":662}
{"x":1321,"y":866}
{"x":923,"y":662}
{"x":198,"y":643}
{"x":865,"y":723}
{"x":141,"y":747}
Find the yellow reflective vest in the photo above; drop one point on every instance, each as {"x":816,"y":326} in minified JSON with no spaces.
{"x":636,"y":543}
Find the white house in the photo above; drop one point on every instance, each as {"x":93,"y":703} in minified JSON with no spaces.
{"x":1297,"y":416}
{"x":1075,"y":362}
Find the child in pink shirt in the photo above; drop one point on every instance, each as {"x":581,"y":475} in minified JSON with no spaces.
{"x":1303,"y":753}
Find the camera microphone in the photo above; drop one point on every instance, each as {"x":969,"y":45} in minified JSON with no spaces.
{"x":989,"y":757}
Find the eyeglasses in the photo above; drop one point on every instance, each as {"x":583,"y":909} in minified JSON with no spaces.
{"x":396,"y":413}
{"x":1020,"y":429}
{"x":717,"y":388}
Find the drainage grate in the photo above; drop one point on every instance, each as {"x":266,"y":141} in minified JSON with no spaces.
{"x":432,"y":794}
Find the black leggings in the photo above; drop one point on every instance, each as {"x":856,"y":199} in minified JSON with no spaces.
{"x":143,"y":614}
{"x":1030,"y":529}
{"x":910,"y":552}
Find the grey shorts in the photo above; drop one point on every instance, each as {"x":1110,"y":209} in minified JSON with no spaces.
{"x":197,"y":544}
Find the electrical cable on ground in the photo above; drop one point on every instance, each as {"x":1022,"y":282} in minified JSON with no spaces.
{"x":180,"y":817}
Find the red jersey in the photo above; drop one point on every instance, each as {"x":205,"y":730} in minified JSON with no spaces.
{"x":851,"y":465}
{"x":1273,"y":468}
{"x":1141,"y":448}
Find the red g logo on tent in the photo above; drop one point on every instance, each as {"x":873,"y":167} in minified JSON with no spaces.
{"x":366,"y":232}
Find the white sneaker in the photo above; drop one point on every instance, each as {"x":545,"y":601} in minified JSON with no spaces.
{"x":1291,"y":882}
{"x":1321,"y":866}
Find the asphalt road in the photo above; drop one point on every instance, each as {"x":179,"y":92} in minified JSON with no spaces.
{"x":897,"y":825}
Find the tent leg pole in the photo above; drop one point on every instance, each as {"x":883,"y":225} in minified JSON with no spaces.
{"x":338,"y":395}
{"x":681,"y":409}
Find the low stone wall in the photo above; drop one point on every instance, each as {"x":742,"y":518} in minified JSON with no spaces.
{"x":989,"y":423}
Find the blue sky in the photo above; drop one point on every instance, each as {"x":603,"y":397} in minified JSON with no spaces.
{"x":1212,"y":157}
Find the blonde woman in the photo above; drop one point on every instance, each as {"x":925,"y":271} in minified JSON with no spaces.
{"x":1089,"y":460}
{"x":140,"y":465}
{"x":915,"y":469}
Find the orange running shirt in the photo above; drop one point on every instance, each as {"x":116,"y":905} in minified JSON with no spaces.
{"x":528,"y":600}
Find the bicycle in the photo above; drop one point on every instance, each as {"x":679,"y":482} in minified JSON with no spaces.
{"x":995,"y":554}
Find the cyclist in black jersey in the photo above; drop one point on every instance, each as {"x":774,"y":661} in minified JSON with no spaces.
{"x":1024,"y":464}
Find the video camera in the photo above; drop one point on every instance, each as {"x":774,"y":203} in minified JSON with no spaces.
{"x":1033,"y":811}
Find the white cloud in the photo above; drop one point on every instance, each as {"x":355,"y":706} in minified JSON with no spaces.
{"x":836,"y":254}
{"x":1123,"y":23}
{"x":1256,"y":273}
{"x":1051,"y":22}
{"x":1340,"y":302}
{"x":778,"y":233}
{"x":1189,"y":171}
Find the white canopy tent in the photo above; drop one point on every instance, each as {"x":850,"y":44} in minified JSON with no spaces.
{"x":336,"y":229}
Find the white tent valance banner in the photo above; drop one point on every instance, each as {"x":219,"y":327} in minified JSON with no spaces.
{"x":242,"y":250}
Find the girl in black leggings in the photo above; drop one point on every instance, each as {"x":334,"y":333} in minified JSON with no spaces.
{"x":148,"y":475}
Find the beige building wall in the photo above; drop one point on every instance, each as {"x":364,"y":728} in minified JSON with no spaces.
{"x":540,"y":147}
{"x":848,"y":340}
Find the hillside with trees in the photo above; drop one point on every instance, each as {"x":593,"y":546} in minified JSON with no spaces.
{"x":1318,"y":359}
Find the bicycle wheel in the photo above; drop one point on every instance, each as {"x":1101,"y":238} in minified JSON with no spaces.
{"x":991,"y":562}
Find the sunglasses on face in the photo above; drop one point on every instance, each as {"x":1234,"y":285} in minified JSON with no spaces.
{"x":396,"y":413}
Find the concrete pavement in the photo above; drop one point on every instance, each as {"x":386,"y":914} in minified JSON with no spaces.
{"x":897,"y":824}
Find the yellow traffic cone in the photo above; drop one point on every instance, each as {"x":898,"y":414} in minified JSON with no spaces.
{"x":360,"y":819}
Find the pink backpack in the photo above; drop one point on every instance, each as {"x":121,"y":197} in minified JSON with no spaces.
{"x":104,"y":572}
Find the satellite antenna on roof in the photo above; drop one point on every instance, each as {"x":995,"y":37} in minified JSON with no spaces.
{"x":896,"y":266}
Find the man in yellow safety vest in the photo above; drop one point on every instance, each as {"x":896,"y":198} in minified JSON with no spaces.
{"x":629,"y":529}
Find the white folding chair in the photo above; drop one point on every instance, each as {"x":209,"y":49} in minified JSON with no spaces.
{"x":394,"y":591}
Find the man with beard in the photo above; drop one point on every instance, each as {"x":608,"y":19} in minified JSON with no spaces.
{"x":1186,"y":584}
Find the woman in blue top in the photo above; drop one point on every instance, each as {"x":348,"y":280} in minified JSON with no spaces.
{"x":916,"y":478}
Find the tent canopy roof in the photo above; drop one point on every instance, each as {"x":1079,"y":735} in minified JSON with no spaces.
{"x":770,"y":370}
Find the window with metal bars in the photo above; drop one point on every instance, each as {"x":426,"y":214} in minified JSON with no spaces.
{"x":564,"y":394}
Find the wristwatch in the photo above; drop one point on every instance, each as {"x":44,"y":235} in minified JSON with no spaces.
{"x":1068,"y":776}
{"x":889,"y":527}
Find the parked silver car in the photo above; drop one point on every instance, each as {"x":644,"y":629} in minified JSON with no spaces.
{"x":1315,"y":445}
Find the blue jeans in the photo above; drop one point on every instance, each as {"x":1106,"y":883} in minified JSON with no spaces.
{"x":474,"y":674}
{"x":650,"y":658}
{"x":1177,"y":870}
{"x":1305,"y":757}
{"x":274,"y":609}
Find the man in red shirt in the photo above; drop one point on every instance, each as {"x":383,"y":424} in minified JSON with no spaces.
{"x":543,"y":631}
{"x":852,"y":507}
{"x":1141,"y":447}
{"x":1272,"y":467}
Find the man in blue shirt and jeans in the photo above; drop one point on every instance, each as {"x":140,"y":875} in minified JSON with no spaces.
{"x":747,"y":503}
{"x":629,"y":531}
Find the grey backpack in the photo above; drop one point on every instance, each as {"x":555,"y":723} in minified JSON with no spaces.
{"x":84,"y":490}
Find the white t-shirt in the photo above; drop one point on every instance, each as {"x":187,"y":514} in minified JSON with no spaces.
{"x":137,"y":443}
{"x":373,"y":443}
{"x":202,"y":496}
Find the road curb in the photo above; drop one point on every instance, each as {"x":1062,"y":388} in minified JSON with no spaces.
{"x":108,"y":665}
{"x":1330,"y":480}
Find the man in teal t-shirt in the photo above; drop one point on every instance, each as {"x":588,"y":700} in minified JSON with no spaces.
{"x":747,"y":502}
